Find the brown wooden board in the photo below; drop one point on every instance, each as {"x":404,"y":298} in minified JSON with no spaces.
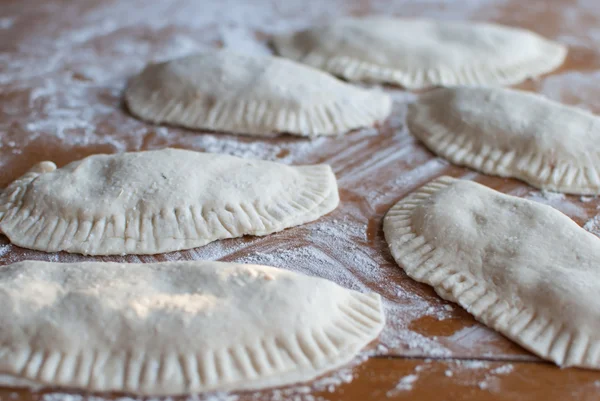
{"x":63,"y":66}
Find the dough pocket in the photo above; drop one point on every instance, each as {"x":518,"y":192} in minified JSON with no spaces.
{"x":160,"y":201}
{"x":421,"y":53}
{"x":511,"y":133}
{"x":520,"y":267}
{"x":177,"y":327}
{"x":252,"y":94}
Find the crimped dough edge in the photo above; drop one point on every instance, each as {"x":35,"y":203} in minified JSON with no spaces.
{"x":551,"y":56}
{"x":309,"y":353}
{"x":546,"y":336}
{"x":446,"y":135}
{"x":133,"y":233}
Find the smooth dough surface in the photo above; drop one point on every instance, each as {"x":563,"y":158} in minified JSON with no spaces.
{"x":421,"y":53}
{"x":520,"y":267}
{"x":177,"y":327}
{"x":511,"y":133}
{"x":252,"y":94}
{"x":159,"y":201}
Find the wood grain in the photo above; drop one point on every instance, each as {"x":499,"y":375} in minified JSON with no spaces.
{"x":63,"y":66}
{"x":386,"y":379}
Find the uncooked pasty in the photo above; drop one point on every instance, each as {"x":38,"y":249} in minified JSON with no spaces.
{"x":176,"y":327}
{"x":520,"y":267}
{"x":159,"y":201}
{"x":419,"y":53}
{"x":511,"y":133}
{"x":252,"y":94}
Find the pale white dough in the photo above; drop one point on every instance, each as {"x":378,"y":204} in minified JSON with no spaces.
{"x":159,"y":201}
{"x":511,"y":133}
{"x":520,"y":267}
{"x":420,"y":53}
{"x":252,"y":94}
{"x":176,"y":327}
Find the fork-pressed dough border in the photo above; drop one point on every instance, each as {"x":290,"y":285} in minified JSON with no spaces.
{"x":550,"y":57}
{"x":134,"y":231}
{"x":261,"y":117}
{"x":549,"y":337}
{"x":311,"y":352}
{"x":448,"y":136}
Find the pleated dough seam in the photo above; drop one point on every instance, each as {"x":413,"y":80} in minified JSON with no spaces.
{"x":490,"y":312}
{"x":266,"y":118}
{"x":450,"y":140}
{"x":53,"y":232}
{"x":130,"y":368}
{"x":356,"y":69}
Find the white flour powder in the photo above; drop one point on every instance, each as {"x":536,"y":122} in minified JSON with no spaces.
{"x":70,"y":82}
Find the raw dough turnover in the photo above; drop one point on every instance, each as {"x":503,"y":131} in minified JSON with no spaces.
{"x":511,"y":133}
{"x":159,"y":201}
{"x":252,"y":94}
{"x":520,"y":267}
{"x":177,"y":327}
{"x":420,"y":53}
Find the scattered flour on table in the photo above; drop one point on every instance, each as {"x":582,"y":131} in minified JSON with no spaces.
{"x":234,"y":147}
{"x":468,"y":373}
{"x":6,"y":23}
{"x":329,"y":248}
{"x":483,"y":375}
{"x":473,"y":364}
{"x":338,"y":228}
{"x":303,"y":392}
{"x":503,"y":370}
{"x":558,"y":201}
{"x":73,"y":81}
{"x":593,"y":225}
{"x":439,"y":313}
{"x":486,"y":339}
{"x":5,"y":249}
{"x":574,"y":14}
{"x":405,"y":384}
{"x":407,"y":182}
{"x":71,"y":86}
{"x":574,"y":88}
{"x":490,"y":380}
{"x":333,"y":249}
{"x":245,"y":147}
{"x":401,"y":100}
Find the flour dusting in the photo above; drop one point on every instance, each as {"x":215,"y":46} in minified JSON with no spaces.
{"x":355,"y":266}
{"x":61,"y":91}
{"x":593,"y":225}
{"x":558,"y":201}
{"x":5,"y":249}
{"x":575,"y":88}
{"x":6,"y":22}
{"x":405,"y":384}
{"x":471,"y":374}
{"x":503,"y":370}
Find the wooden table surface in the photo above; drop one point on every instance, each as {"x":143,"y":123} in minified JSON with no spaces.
{"x":63,"y":66}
